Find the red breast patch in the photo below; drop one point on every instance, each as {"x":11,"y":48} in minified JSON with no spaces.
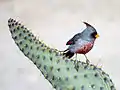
{"x":85,"y":48}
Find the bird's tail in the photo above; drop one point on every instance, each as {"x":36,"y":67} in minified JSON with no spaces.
{"x":68,"y":54}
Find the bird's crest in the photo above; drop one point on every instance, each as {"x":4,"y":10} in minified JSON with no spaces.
{"x":87,"y":24}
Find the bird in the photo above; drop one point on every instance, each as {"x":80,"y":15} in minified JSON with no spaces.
{"x":81,"y":43}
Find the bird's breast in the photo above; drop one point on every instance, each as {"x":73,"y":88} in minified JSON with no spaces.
{"x":85,"y":48}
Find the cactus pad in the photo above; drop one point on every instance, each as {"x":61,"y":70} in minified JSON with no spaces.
{"x":61,"y":72}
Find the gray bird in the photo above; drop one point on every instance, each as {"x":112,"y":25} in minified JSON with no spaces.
{"x":82,"y":43}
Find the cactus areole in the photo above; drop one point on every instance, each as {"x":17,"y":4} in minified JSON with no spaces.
{"x":61,"y":72}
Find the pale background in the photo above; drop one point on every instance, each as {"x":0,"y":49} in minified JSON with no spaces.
{"x":55,"y":22}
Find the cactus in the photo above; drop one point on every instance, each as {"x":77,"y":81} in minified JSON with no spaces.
{"x":61,"y":72}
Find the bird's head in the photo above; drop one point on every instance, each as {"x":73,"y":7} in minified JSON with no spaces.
{"x":90,"y":31}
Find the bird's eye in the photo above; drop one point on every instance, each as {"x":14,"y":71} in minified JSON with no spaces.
{"x":94,"y":34}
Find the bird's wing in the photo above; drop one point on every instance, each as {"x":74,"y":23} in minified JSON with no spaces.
{"x":74,"y":39}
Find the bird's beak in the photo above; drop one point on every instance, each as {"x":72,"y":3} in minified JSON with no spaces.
{"x":97,"y":36}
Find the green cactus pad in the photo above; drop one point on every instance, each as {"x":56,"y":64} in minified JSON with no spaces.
{"x":61,"y":72}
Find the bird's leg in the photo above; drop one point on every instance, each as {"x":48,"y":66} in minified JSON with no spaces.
{"x":87,"y":61}
{"x":76,"y":56}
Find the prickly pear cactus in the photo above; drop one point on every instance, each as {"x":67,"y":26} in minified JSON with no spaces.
{"x":62,"y":73}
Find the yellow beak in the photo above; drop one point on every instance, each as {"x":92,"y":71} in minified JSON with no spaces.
{"x":97,"y":36}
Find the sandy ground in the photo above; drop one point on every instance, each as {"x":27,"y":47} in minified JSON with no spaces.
{"x":55,"y":22}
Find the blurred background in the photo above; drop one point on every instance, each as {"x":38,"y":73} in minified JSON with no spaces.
{"x":55,"y":22}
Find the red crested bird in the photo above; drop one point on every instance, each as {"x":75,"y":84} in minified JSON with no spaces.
{"x":82,"y":43}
